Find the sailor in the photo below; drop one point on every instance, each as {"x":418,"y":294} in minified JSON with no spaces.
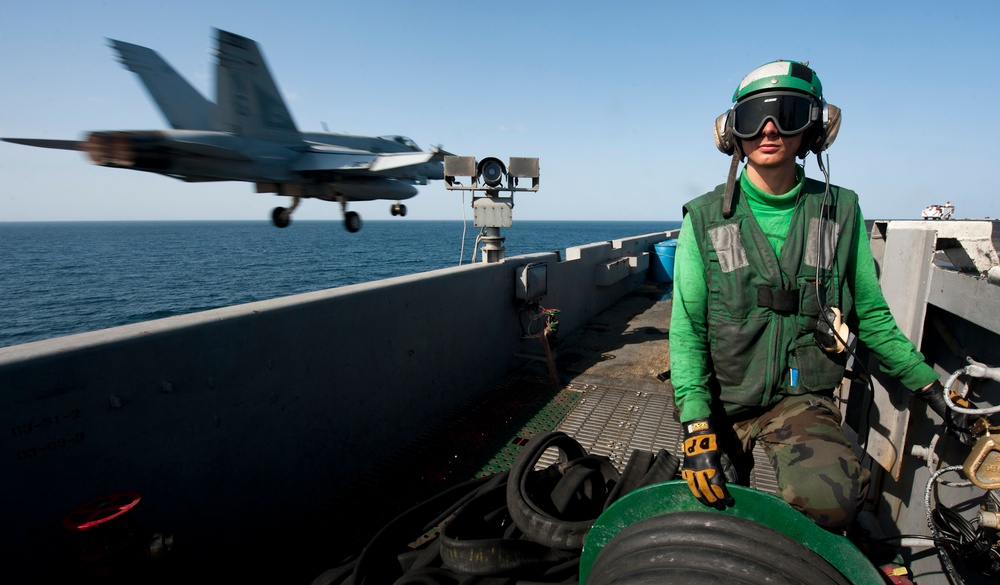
{"x":773,"y":271}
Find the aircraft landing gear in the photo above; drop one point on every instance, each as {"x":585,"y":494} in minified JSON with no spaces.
{"x":352,"y":221}
{"x":398,"y":209}
{"x":281,"y":217}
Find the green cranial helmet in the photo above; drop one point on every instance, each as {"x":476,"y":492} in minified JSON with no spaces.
{"x":783,"y":76}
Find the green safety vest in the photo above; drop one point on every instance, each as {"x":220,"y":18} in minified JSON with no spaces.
{"x":762,"y":311}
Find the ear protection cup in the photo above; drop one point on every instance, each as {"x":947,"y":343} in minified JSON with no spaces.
{"x":823,"y":136}
{"x":831,"y":125}
{"x":724,"y":139}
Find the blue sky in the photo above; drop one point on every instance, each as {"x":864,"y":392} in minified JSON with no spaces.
{"x":616,"y":99}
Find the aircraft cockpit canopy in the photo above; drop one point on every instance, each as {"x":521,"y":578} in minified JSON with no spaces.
{"x":410,"y":144}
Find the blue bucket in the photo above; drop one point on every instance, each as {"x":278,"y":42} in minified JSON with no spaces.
{"x":662,"y":264}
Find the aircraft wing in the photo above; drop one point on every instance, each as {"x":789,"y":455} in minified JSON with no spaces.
{"x":348,"y":161}
{"x":46,"y":143}
{"x":181,"y":104}
{"x":248,"y":102}
{"x":440,"y":153}
{"x":116,"y":146}
{"x":390,"y":161}
{"x":198,"y":146}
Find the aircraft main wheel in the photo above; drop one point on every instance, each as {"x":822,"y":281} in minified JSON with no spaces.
{"x":280,"y":217}
{"x":352,"y":221}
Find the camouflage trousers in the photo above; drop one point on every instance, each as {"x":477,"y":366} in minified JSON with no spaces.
{"x":817,"y":470}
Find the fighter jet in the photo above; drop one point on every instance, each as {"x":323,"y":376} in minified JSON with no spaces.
{"x":248,"y":135}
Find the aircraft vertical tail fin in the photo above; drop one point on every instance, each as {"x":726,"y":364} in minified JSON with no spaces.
{"x":181,"y":104}
{"x":248,"y":100}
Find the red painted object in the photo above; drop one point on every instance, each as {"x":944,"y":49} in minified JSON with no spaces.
{"x":100,"y":510}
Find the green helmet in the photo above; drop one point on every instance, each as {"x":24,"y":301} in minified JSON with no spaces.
{"x":780,"y":75}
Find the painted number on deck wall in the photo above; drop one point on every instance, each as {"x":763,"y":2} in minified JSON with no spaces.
{"x":34,"y":431}
{"x":44,"y":422}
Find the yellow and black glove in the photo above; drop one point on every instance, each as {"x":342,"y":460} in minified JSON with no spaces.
{"x":703,"y":464}
{"x":958,"y":424}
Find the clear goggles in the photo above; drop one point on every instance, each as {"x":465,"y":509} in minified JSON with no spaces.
{"x":791,"y":113}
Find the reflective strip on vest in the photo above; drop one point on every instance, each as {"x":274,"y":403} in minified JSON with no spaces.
{"x":831,"y":234}
{"x":729,"y":246}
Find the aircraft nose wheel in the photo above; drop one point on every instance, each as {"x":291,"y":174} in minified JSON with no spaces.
{"x":352,"y":221}
{"x":281,"y":217}
{"x":398,"y":209}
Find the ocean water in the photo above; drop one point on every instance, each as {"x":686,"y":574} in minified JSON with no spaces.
{"x":62,"y":278}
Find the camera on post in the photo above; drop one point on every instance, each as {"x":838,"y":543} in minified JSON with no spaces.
{"x":493,"y":185}
{"x":491,"y":171}
{"x":492,"y":178}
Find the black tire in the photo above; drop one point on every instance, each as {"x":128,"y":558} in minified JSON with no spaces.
{"x":352,"y":221}
{"x":280,"y":217}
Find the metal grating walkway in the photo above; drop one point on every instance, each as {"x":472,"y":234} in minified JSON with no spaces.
{"x":615,"y":422}
{"x":623,"y":406}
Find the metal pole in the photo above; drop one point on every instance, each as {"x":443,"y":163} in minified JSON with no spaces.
{"x":493,"y":245}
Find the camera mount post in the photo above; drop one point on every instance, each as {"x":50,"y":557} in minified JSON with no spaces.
{"x":492,"y":210}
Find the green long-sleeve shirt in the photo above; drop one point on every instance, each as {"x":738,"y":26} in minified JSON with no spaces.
{"x":689,"y":344}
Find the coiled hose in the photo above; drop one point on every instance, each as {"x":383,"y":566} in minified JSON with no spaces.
{"x":708,"y":548}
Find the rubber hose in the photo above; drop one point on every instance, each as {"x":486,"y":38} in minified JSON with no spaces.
{"x":668,"y":560}
{"x":336,"y":576}
{"x":567,"y":572}
{"x":420,"y":557}
{"x":942,"y":552}
{"x":581,"y":492}
{"x":377,"y":563}
{"x":687,"y":576}
{"x":664,"y":468}
{"x":713,"y":546}
{"x":471,"y":545}
{"x":428,"y":576}
{"x":538,"y":523}
{"x":638,"y":465}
